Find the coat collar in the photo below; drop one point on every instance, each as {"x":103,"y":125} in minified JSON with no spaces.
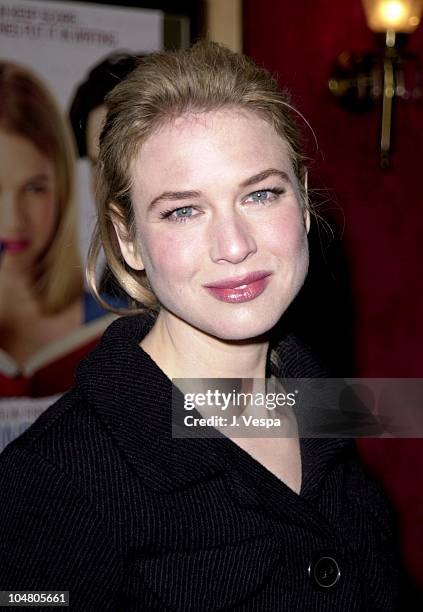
{"x":133,"y":398}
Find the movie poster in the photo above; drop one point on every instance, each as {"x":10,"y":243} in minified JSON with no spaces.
{"x":59,"y":43}
{"x":62,"y":41}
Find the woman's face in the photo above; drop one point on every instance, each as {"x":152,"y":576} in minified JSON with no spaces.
{"x":221,"y":231}
{"x":27,"y":202}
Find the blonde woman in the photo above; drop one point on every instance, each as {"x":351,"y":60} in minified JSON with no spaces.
{"x":203,"y":215}
{"x":43,"y":307}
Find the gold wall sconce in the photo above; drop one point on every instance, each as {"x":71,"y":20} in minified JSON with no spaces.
{"x":359,"y":80}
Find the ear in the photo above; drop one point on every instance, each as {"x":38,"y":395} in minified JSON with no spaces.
{"x":306,"y":210}
{"x":127,"y":246}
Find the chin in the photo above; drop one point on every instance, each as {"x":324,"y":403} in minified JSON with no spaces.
{"x":236,"y":329}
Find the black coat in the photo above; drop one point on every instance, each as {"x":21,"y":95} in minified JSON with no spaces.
{"x":98,"y":499}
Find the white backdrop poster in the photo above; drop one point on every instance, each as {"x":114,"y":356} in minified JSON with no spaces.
{"x":62,"y":41}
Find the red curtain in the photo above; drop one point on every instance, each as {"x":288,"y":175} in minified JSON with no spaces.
{"x":299,"y":41}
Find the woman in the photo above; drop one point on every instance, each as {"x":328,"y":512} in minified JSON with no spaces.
{"x":43,"y":307}
{"x":203,"y":216}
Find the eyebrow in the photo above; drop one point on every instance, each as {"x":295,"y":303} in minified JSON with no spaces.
{"x":39,"y":177}
{"x":187,"y":195}
{"x":262,"y":176}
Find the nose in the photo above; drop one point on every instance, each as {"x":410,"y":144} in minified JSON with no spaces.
{"x":10,"y":215}
{"x":232,"y":239}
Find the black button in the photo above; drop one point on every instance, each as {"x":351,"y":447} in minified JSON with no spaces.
{"x":324,"y":571}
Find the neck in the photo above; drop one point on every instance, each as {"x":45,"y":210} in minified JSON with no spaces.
{"x":208,"y":357}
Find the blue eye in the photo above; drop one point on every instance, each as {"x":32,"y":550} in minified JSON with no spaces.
{"x":181,"y":213}
{"x":264,"y":195}
{"x":35,"y":188}
{"x":178,"y":214}
{"x":260,"y":196}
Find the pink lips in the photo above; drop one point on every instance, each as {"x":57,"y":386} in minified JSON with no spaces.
{"x":241,"y":288}
{"x":14,"y":246}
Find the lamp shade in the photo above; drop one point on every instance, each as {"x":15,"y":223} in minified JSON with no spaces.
{"x":393,"y":15}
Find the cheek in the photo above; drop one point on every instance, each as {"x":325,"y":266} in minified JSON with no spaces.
{"x":44,"y":212}
{"x":286,"y":235}
{"x":170,"y":255}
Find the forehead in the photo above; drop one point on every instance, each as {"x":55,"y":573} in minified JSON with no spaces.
{"x":209,"y":146}
{"x":20,"y":159}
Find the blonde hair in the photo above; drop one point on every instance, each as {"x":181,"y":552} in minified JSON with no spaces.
{"x":163,"y":86}
{"x":28,"y":109}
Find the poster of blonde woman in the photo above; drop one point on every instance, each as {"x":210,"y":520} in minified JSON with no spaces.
{"x":48,"y":319}
{"x":61,"y":42}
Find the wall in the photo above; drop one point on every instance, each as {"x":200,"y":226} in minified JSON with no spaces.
{"x":382,"y":212}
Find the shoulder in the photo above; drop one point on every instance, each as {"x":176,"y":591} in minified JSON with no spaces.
{"x":41,"y":450}
{"x":53,"y":534}
{"x":70,"y":448}
{"x":54,"y":507}
{"x":59,"y":426}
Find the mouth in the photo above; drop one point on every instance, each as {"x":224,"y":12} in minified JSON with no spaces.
{"x":13,"y":246}
{"x":240,"y":289}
